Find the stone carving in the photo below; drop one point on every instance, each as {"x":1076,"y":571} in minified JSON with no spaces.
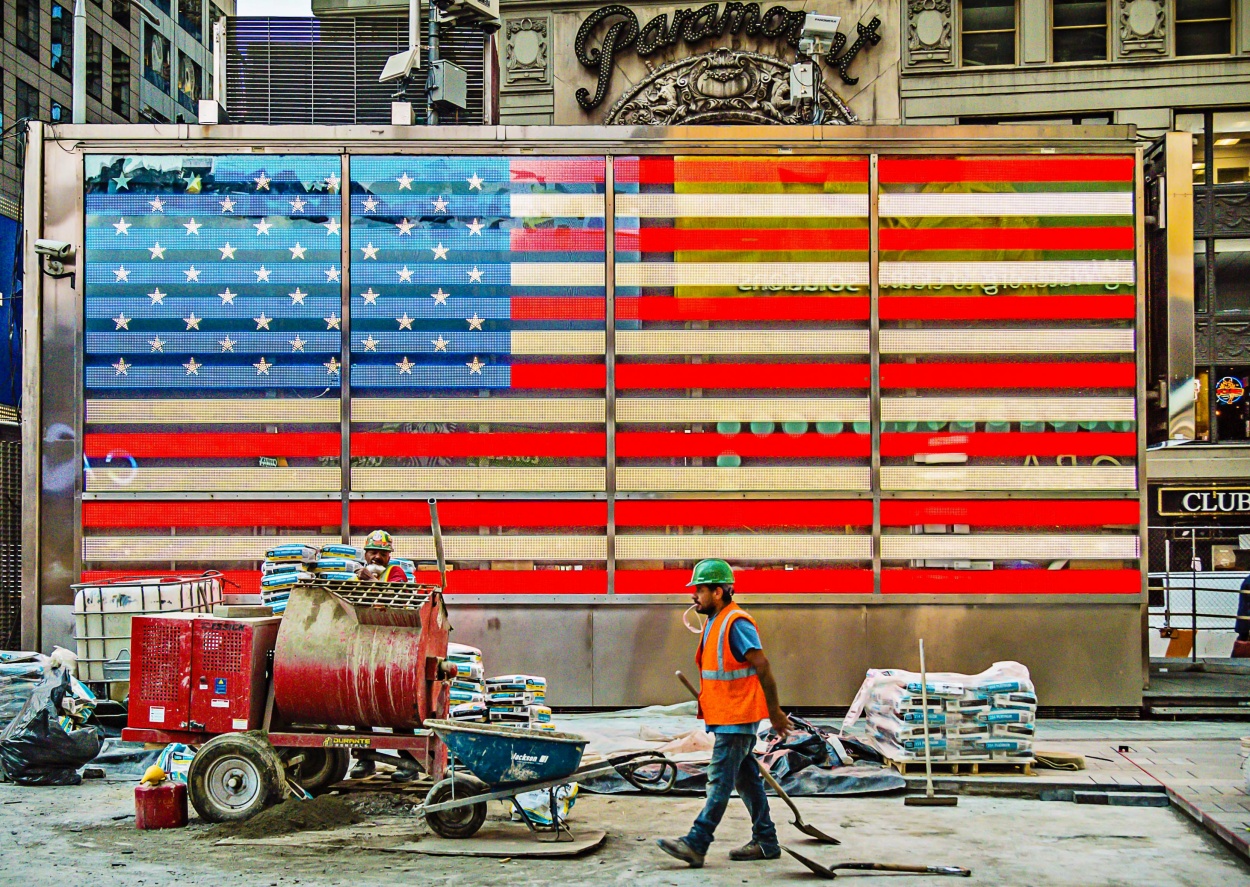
{"x":1231,"y":213}
{"x":722,"y":86}
{"x":526,"y":60}
{"x":1202,"y":342}
{"x":929,"y":33}
{"x":1232,"y":342}
{"x":1143,"y":27}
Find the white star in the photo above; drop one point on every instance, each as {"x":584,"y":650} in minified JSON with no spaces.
{"x":332,"y":182}
{"x":227,"y":205}
{"x":440,"y":344}
{"x":370,"y":204}
{"x":405,"y":322}
{"x":194,"y":185}
{"x":157,"y":251}
{"x":405,"y":182}
{"x":297,"y":251}
{"x":122,"y":181}
{"x":262,"y":181}
{"x":227,"y":251}
{"x":332,"y":366}
{"x":440,"y":251}
{"x":227,"y":344}
{"x":475,"y":276}
{"x":262,"y":227}
{"x":371,"y":344}
{"x":122,"y":321}
{"x":297,"y":297}
{"x":404,"y":274}
{"x":193,"y":274}
{"x":405,"y":227}
{"x":440,"y":205}
{"x":158,"y":205}
{"x":121,"y":366}
{"x":262,"y":274}
{"x":262,"y":367}
{"x":123,"y":275}
{"x":370,"y":251}
{"x":158,"y":344}
{"x":193,"y":368}
{"x":297,"y":344}
{"x":193,"y":227}
{"x":262,"y":322}
{"x":475,"y":227}
{"x":405,"y":366}
{"x":333,"y":321}
{"x":332,"y":226}
{"x":440,"y":297}
{"x":192,"y":322}
{"x":298,"y":204}
{"x":332,"y":274}
{"x":475,"y":366}
{"x":122,"y":226}
{"x":475,"y":322}
{"x":475,"y":182}
{"x":227,"y":298}
{"x":157,"y":297}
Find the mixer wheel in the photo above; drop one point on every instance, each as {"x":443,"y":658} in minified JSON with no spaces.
{"x":233,"y":777}
{"x":320,"y":769}
{"x":460,"y":822}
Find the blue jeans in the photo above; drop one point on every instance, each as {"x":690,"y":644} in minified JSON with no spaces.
{"x":733,"y":766}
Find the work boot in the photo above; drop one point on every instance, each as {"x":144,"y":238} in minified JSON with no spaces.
{"x":681,"y":850}
{"x":363,"y":768}
{"x":403,"y":775}
{"x":750,"y":852}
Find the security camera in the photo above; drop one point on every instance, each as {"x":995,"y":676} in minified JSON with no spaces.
{"x":401,"y":65}
{"x":818,"y":34}
{"x":54,"y":249}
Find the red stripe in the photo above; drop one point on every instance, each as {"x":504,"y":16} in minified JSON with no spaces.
{"x":665,"y":444}
{"x":1008,"y":238}
{"x":1008,"y":375}
{"x":896,"y":307}
{"x":831,"y":307}
{"x":198,"y":445}
{"x":238,"y":581}
{"x":537,"y":308}
{"x":556,"y":239}
{"x":536,"y":582}
{"x":900,"y":581}
{"x":577,"y":169}
{"x":1011,"y":443}
{"x":739,"y":375}
{"x":667,"y":240}
{"x":744,"y":513}
{"x":564,"y":376}
{"x":849,"y":581}
{"x":366,"y":514}
{"x":667,"y":170}
{"x":222,"y":513}
{"x":1007,"y":169}
{"x":468,"y":445}
{"x":1012,"y":513}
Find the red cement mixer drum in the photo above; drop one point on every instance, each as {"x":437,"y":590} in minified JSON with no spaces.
{"x":338,"y":662}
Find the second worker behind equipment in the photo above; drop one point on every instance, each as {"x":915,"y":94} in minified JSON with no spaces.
{"x":378,"y":567}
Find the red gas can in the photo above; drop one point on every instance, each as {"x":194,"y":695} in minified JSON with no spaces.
{"x":161,"y":806}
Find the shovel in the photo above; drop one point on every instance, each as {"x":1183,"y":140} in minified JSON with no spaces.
{"x":829,"y":872}
{"x":810,"y":830}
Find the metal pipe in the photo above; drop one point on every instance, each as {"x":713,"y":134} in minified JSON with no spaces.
{"x":437,"y":531}
{"x":79,"y":50}
{"x":414,"y":23}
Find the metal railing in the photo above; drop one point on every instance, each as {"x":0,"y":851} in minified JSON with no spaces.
{"x":1196,"y":577}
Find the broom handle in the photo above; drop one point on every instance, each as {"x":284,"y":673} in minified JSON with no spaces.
{"x":924,"y":708}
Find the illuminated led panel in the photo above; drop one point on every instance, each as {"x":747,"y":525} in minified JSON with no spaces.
{"x":632,"y":343}
{"x":1007,"y":547}
{"x":1008,"y":409}
{"x":1007,"y":478}
{"x":548,"y":548}
{"x":211,"y":412}
{"x":189,"y":548}
{"x":118,"y":478}
{"x":502,"y":410}
{"x":1008,"y":341}
{"x":731,"y":479}
{"x":713,"y":409}
{"x":753,"y":548}
{"x":479,"y":480}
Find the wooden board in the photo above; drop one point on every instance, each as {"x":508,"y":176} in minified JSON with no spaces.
{"x":965,"y":768}
{"x":502,"y":842}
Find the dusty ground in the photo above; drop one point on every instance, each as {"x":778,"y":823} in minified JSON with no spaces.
{"x":86,"y":835}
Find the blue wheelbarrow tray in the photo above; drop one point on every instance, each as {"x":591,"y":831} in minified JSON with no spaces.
{"x":503,"y":757}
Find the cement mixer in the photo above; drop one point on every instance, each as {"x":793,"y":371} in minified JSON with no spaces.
{"x":276,"y":704}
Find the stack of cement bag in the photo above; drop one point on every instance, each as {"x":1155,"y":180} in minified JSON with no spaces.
{"x":287,"y":565}
{"x":519,"y":700}
{"x":985,"y":717}
{"x":468,"y":691}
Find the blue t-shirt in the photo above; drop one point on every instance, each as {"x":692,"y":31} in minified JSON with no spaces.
{"x":743,"y":638}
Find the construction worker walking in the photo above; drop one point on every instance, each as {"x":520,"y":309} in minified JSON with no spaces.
{"x":737,"y":692}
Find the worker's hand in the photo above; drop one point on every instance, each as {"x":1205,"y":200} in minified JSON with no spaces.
{"x":781,"y":723}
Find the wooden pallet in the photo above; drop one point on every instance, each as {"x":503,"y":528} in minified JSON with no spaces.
{"x":965,"y":768}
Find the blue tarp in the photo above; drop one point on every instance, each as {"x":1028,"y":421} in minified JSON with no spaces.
{"x":10,"y":311}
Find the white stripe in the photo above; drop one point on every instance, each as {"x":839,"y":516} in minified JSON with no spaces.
{"x":1054,"y":273}
{"x":117,"y":477}
{"x":755,"y":548}
{"x":542,"y":342}
{"x":213,"y":411}
{"x":1000,"y":547}
{"x":729,"y":409}
{"x":1009,"y":477}
{"x":557,"y":273}
{"x":479,"y":480}
{"x":509,"y":548}
{"x":665,"y":342}
{"x":730,"y":480}
{"x":478,"y":409}
{"x":1050,"y":203}
{"x":1008,"y":409}
{"x":742,"y":274}
{"x":1007,"y":341}
{"x":672,"y":206}
{"x":215,"y":549}
{"x":557,"y":205}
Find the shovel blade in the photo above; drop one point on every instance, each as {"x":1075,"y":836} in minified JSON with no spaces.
{"x":812,"y":832}
{"x":812,"y":865}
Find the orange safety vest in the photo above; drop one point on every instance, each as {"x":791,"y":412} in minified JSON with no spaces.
{"x":731,"y":692}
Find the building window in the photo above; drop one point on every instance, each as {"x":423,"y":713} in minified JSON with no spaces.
{"x":25,"y":101}
{"x":189,"y":76}
{"x":95,"y":65}
{"x":27,"y":36}
{"x":1201,"y":303}
{"x":1232,"y":275}
{"x":1204,"y":27}
{"x":162,"y":5}
{"x":191,"y":18}
{"x":1221,"y":145}
{"x":156,"y":58}
{"x":989,"y":32}
{"x":121,"y":84}
{"x":121,"y":13}
{"x":1079,"y":31}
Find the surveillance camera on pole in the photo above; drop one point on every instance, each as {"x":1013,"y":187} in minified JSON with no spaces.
{"x":815,"y":40}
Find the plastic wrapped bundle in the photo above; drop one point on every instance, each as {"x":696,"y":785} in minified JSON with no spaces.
{"x":306,"y":554}
{"x":350,"y":552}
{"x":468,"y":689}
{"x":20,"y":673}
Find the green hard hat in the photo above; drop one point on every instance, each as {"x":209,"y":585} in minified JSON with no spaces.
{"x":711,"y":571}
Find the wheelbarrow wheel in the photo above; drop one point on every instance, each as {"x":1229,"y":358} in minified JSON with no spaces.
{"x":320,"y":769}
{"x":233,"y":777}
{"x":460,"y":822}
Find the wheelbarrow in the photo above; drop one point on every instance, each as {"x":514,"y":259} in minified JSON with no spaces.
{"x":504,"y":762}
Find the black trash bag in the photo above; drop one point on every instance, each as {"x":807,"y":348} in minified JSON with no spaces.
{"x":35,"y":749}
